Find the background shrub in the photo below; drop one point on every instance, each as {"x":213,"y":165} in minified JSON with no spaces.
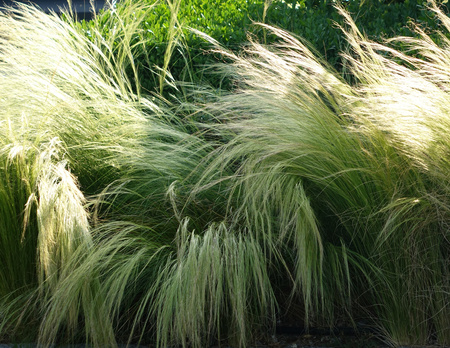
{"x":231,"y":21}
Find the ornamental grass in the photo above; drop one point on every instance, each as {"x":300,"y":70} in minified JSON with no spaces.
{"x":129,"y":219}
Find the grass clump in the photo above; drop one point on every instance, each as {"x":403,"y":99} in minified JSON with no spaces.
{"x":363,"y":156}
{"x":123,"y":220}
{"x":82,"y":157}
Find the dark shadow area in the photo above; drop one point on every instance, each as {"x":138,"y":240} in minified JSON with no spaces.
{"x":82,"y":8}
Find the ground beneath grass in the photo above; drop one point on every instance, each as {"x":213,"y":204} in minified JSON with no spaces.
{"x":342,"y":340}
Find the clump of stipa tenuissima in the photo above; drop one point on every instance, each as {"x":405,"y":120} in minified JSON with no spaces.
{"x":337,"y":193}
{"x":371,"y":158}
{"x":68,"y":112}
{"x":74,"y":124}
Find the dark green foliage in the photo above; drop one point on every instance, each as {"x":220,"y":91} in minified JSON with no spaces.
{"x":231,"y":21}
{"x":227,"y":21}
{"x":317,"y":21}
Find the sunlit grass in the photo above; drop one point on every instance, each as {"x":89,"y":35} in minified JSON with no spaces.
{"x":365,"y":159}
{"x":124,"y":220}
{"x":94,"y":180}
{"x":72,"y":126}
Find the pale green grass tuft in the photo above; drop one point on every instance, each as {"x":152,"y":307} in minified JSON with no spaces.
{"x":61,"y":217}
{"x":72,"y":125}
{"x":216,"y":286}
{"x":354,"y":177}
{"x":96,"y":180}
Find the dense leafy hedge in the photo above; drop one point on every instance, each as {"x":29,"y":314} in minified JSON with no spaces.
{"x":230,"y":21}
{"x":317,"y":21}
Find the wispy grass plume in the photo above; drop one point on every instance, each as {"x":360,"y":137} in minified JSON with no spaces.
{"x":345,"y":174}
{"x":75,"y":136}
{"x":216,"y":286}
